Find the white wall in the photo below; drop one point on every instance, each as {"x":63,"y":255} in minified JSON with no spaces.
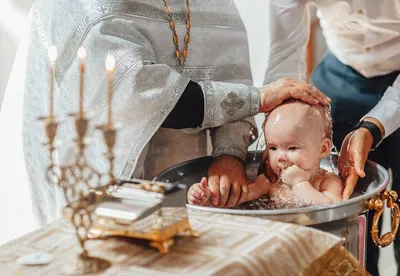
{"x":15,"y":202}
{"x":13,"y":15}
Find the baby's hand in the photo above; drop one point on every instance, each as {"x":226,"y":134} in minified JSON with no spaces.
{"x":293,"y":175}
{"x":199,"y":193}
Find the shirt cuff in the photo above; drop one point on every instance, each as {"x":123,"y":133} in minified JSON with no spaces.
{"x":387,"y":111}
{"x":234,"y":138}
{"x":228,"y":102}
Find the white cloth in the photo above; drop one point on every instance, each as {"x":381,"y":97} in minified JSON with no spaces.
{"x":387,"y":111}
{"x":289,"y":31}
{"x":362,"y":34}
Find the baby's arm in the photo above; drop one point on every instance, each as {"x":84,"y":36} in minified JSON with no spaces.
{"x":298,"y":180}
{"x":332,"y":186}
{"x":261,"y":187}
{"x":331,"y":189}
{"x":199,"y":193}
{"x":281,"y":192}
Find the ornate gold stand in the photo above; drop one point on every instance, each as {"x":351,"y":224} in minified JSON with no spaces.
{"x":161,"y":239}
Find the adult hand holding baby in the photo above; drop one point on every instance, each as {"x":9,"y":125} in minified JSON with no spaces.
{"x":275,"y":93}
{"x":200,"y":193}
{"x":226,"y":179}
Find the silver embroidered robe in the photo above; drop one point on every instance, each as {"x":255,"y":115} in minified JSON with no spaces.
{"x":147,"y":84}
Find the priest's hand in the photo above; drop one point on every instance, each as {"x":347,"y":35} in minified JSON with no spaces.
{"x":275,"y":93}
{"x":226,"y":179}
{"x":352,"y":158}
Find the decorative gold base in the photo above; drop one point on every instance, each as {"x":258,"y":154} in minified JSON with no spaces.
{"x":86,"y":265}
{"x":162,"y":246}
{"x":161,"y":239}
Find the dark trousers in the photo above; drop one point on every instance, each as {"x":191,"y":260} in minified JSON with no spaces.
{"x":353,"y":96}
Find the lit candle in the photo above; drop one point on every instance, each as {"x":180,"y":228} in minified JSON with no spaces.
{"x":110,"y":66}
{"x":82,"y":56}
{"x":52,"y":52}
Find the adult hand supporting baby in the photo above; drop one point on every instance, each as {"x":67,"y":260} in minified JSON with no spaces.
{"x":275,"y":93}
{"x":352,"y":158}
{"x":226,"y":179}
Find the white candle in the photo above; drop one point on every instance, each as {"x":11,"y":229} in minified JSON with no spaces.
{"x":82,"y":56}
{"x":52,"y":52}
{"x":110,"y":66}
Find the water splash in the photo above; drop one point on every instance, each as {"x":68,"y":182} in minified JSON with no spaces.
{"x":334,"y":151}
{"x":258,"y":142}
{"x":271,"y":203}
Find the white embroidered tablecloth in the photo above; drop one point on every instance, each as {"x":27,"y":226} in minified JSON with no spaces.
{"x":228,"y":245}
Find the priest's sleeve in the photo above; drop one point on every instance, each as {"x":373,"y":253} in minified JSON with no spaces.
{"x":230,"y":138}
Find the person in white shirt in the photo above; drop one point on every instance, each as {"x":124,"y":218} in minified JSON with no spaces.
{"x":362,"y":64}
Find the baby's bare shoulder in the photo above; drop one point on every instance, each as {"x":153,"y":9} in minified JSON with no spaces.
{"x":331,"y":182}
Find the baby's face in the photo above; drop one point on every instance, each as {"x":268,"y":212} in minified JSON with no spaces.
{"x":295,"y":135}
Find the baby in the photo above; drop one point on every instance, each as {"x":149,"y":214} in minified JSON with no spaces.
{"x":297,"y":136}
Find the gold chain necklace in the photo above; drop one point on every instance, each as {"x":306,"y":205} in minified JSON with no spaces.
{"x":180,"y":55}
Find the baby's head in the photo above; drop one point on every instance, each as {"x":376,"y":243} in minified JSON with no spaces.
{"x":297,"y":133}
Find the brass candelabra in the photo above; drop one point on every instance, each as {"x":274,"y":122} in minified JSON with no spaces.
{"x":83,"y":186}
{"x":88,"y":192}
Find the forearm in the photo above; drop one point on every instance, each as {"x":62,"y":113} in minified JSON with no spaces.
{"x":212,"y":104}
{"x":305,"y":191}
{"x":387,"y":111}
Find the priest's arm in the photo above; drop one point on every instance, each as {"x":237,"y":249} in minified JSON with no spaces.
{"x":230,"y":138}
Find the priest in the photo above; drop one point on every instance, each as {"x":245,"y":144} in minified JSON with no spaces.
{"x":182,"y":67}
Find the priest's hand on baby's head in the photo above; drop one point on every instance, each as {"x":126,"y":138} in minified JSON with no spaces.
{"x":275,"y":93}
{"x":294,"y":175}
{"x":199,"y":193}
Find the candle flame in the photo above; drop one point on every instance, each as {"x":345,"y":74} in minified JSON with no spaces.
{"x":52,"y":52}
{"x":82,"y":53}
{"x":110,"y":63}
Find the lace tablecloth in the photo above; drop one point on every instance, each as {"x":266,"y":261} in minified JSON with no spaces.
{"x":228,"y":245}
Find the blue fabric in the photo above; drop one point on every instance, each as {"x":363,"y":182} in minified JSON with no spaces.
{"x":353,"y":96}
